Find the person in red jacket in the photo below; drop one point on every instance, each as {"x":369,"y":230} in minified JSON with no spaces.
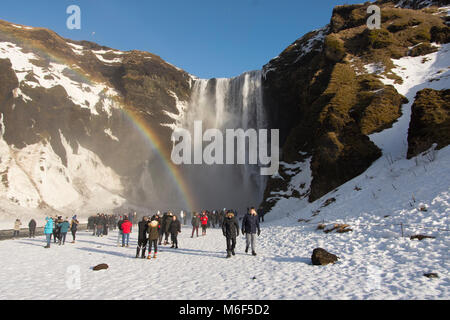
{"x":126,"y":230}
{"x":204,"y":221}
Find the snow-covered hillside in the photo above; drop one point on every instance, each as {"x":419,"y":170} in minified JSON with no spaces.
{"x":81,"y":129}
{"x":34,"y":178}
{"x":417,"y":73}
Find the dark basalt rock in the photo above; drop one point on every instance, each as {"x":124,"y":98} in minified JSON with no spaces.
{"x":321,"y":257}
{"x":99,"y":267}
{"x":421,"y":237}
{"x":431,"y":275}
{"x":430,"y":121}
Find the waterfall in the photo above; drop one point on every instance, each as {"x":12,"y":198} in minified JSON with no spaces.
{"x":235,"y":103}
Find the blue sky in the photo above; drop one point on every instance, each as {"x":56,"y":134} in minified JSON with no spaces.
{"x":205,"y":38}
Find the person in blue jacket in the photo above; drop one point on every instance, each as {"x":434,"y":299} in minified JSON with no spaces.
{"x":48,"y":231}
{"x":250,"y":226}
{"x":64,"y":228}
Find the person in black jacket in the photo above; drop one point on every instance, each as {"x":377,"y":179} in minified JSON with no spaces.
{"x":230,"y":229}
{"x":57,"y":228}
{"x":167,"y":220}
{"x":142,"y":237}
{"x":174,"y":229}
{"x":105,"y":224}
{"x":119,"y":233}
{"x":74,"y":227}
{"x":250,"y":226}
{"x":261,"y":214}
{"x":195,"y":224}
{"x":90,"y":224}
{"x":32,"y":227}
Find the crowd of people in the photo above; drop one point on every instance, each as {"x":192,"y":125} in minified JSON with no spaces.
{"x":57,"y":228}
{"x":152,"y":230}
{"x":156,"y":230}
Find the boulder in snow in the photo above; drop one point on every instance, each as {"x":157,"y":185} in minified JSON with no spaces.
{"x":338,"y":227}
{"x":102,"y":266}
{"x":321,"y":257}
{"x":431,"y":275}
{"x":321,"y":226}
{"x":421,"y":237}
{"x":328,"y":202}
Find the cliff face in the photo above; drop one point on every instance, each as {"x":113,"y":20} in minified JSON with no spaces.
{"x":430,"y":121}
{"x":64,"y":99}
{"x":331,"y":89}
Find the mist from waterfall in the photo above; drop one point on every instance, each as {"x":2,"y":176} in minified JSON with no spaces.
{"x":222,"y":104}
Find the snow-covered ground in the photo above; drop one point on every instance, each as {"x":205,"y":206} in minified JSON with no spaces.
{"x":370,"y":268}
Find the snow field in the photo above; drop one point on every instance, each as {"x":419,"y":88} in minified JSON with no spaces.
{"x":369,"y":268}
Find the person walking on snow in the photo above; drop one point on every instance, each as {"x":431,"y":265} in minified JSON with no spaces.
{"x":160,"y":232}
{"x":99,"y":226}
{"x":261,"y":214}
{"x":32,"y":227}
{"x":90,"y":224}
{"x":105,"y":224}
{"x":230,"y":229}
{"x":63,"y":227}
{"x":174,"y":229}
{"x":153,"y":237}
{"x":74,"y":227}
{"x":96,"y":221}
{"x":142,"y":237}
{"x":204,"y":222}
{"x":250,"y":226}
{"x":195,"y":224}
{"x":48,"y":230}
{"x":119,"y":232}
{"x":166,"y":226}
{"x":126,"y":230}
{"x":17,"y":225}
{"x":57,"y":228}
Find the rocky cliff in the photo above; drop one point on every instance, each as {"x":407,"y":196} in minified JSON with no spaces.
{"x":72,"y":115}
{"x":330,"y":90}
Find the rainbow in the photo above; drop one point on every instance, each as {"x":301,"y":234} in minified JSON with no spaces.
{"x":138,"y":122}
{"x":157,"y":145}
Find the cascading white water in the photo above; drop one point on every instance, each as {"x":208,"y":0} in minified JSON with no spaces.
{"x":222,"y":104}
